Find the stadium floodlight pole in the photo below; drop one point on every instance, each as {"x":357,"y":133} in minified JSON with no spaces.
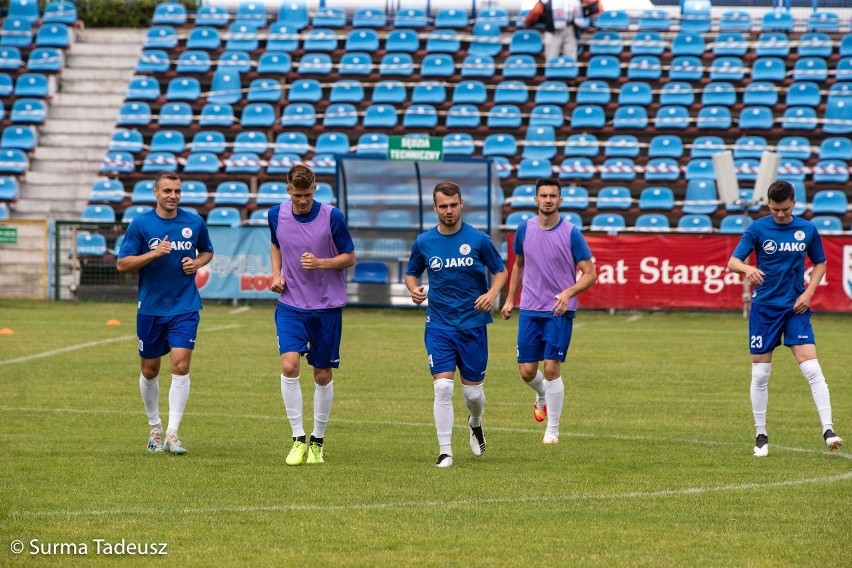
{"x":729,"y":192}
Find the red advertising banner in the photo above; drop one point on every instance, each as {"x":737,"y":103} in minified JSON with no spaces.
{"x":683,"y":271}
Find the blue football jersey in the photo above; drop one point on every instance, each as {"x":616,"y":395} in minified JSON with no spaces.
{"x":164,"y":290}
{"x":456,"y":266}
{"x":780,"y":252}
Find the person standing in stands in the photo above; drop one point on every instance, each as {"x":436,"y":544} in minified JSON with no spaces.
{"x":457,"y":258}
{"x":780,"y":306}
{"x":166,"y":246}
{"x":563,"y":24}
{"x":549,"y":252}
{"x":311,"y":248}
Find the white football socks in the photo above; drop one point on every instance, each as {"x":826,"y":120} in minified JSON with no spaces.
{"x":291,"y":392}
{"x":537,"y":384}
{"x":474,"y":399}
{"x":443,"y":410}
{"x":819,"y":389}
{"x":554,"y":396}
{"x":760,"y":395}
{"x":150,"y":390}
{"x":323,"y":396}
{"x":178,"y":395}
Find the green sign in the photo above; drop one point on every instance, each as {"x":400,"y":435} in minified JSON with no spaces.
{"x":8,"y":235}
{"x":415,"y":148}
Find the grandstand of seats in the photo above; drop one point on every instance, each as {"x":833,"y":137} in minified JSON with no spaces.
{"x":241,"y":94}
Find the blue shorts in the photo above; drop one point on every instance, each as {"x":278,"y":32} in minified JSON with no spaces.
{"x":157,"y":335}
{"x":767,"y":324}
{"x":466,"y":349}
{"x":542,"y":335}
{"x":315,"y":332}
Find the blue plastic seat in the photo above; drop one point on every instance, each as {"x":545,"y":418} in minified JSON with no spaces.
{"x":843,"y":69}
{"x":463,"y":116}
{"x":259,"y":217}
{"x":614,"y":197}
{"x":7,"y":85}
{"x":688,"y":44}
{"x":647,"y":43}
{"x":346,"y":91}
{"x":175,"y":114}
{"x":160,"y":37}
{"x":837,"y":116}
{"x":592,"y":92}
{"x":281,"y":162}
{"x":272,"y":193}
{"x":672,"y":117}
{"x":389,"y":91}
{"x":224,"y":217}
{"x":159,"y":161}
{"x":677,"y":93}
{"x":264,"y":90}
{"x":320,"y":39}
{"x":372,"y":144}
{"x":701,"y":198}
{"x":183,"y":89}
{"x":231,"y":193}
{"x":370,"y":272}
{"x":561,"y":67}
{"x":290,"y":142}
{"x":686,"y":68}
{"x":695,"y":16}
{"x":523,"y":196}
{"x":193,"y":62}
{"x":208,"y":141}
{"x":451,"y":18}
{"x":355,"y":63}
{"x":713,"y":118}
{"x":515,"y":218}
{"x":551,"y":92}
{"x":824,"y":20}
{"x":305,"y":90}
{"x":13,"y":161}
{"x":420,"y":116}
{"x":167,"y":141}
{"x":834,"y":148}
{"x":588,"y":116}
{"x":46,"y":60}
{"x":749,"y":147}
{"x":734,"y":224}
{"x":53,"y":35}
{"x":630,"y":117}
{"x":242,"y":36}
{"x":512,"y":92}
{"x":443,"y":40}
{"x":468,"y":91}
{"x":340,"y":115}
{"x":662,"y":169}
{"x":274,"y":63}
{"x":735,"y":21}
{"x":730,"y":43}
{"x":250,"y":141}
{"x":520,"y":66}
{"x":134,"y":114}
{"x":622,"y":146}
{"x":298,"y":114}
{"x":396,"y":65}
{"x":402,"y":40}
{"x":727,"y":69}
{"x":803,"y":93}
{"x":134,"y":211}
{"x":719,"y":93}
{"x":665,"y":146}
{"x":797,"y":147}
{"x":704,"y":147}
{"x":799,"y":118}
{"x":143,"y":193}
{"x":701,"y":168}
{"x":193,"y":192}
{"x":791,"y":169}
{"x":504,"y":116}
{"x":810,"y":69}
{"x":429,"y":92}
{"x":169,"y":13}
{"x":61,"y":12}
{"x":363,"y":40}
{"x":652,"y":222}
{"x":756,"y":118}
{"x":10,"y":58}
{"x":225,"y":87}
{"x":827,"y":224}
{"x":499,"y":145}
{"x":656,"y":198}
{"x":91,"y":244}
{"x":609,"y":222}
{"x":769,"y":69}
{"x":585,"y":145}
{"x":252,"y":12}
{"x":496,"y":16}
{"x":212,"y":15}
{"x":369,"y":18}
{"x":695,"y":223}
{"x":635,"y":93}
{"x":380,"y":116}
{"x":546,"y":115}
{"x":437,"y":65}
{"x":458,"y":144}
{"x":534,"y":169}
{"x":526,"y":41}
{"x":606,"y":67}
{"x":829,"y":202}
{"x":201,"y":163}
{"x":577,"y":168}
{"x":98,"y":214}
{"x":315,"y":64}
{"x":282,"y":37}
{"x":103,"y":190}
{"x":831,"y":171}
{"x":614,"y":20}
{"x":294,"y":13}
{"x":644,"y":67}
{"x":772,"y":44}
{"x":606,"y":43}
{"x":540,"y":142}
{"x":746,"y":169}
{"x":574,"y":197}
{"x":477,"y":66}
{"x":760,"y":93}
{"x":815,"y":44}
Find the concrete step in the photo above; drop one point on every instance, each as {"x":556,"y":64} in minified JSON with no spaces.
{"x":76,"y":193}
{"x":73,"y":178}
{"x":90,"y":74}
{"x":96,"y":99}
{"x":105,"y":113}
{"x":80,"y":126}
{"x":115,"y":49}
{"x":112,"y":36}
{"x":62,"y":164}
{"x":103,"y":87}
{"x":92,"y":155}
{"x":47,"y":208}
{"x":111,"y":61}
{"x":55,"y":141}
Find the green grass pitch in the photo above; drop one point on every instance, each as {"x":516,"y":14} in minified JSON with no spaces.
{"x":653,"y":468}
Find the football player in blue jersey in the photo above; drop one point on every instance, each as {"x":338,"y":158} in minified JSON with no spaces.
{"x":166,"y":246}
{"x":780,"y":309}
{"x":457,"y":258}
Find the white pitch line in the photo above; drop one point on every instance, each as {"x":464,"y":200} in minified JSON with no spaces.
{"x":78,"y":346}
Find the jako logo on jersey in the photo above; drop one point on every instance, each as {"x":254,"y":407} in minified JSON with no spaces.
{"x":465,"y":249}
{"x":186,"y":232}
{"x":436,"y":263}
{"x":771,"y":247}
{"x":176,"y":245}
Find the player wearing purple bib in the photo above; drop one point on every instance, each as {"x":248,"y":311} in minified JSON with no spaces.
{"x":781,"y":305}
{"x":311,"y":247}
{"x":456,"y":257}
{"x":548,"y":252}
{"x":166,"y":246}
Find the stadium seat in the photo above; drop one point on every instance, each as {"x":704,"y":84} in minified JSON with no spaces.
{"x":203,"y":38}
{"x":662,"y":169}
{"x":647,"y":43}
{"x":410,"y":18}
{"x":608,"y":222}
{"x":499,"y":145}
{"x":834,"y":148}
{"x":695,"y":223}
{"x":797,"y":147}
{"x":760,"y":93}
{"x":630,"y":117}
{"x":193,"y":192}
{"x":593,"y":92}
{"x":305,"y":90}
{"x":606,"y":43}
{"x":713,"y":118}
{"x":526,"y":41}
{"x":635,"y":93}
{"x":7,"y":85}
{"x":370,"y":272}
{"x":134,"y":211}
{"x":451,"y":18}
{"x":576,"y":168}
{"x":195,"y":62}
{"x":201,"y":163}
{"x":61,"y":12}
{"x":495,"y":15}
{"x":252,"y":12}
{"x":468,"y":91}
{"x":701,"y":198}
{"x":250,"y":141}
{"x":550,"y":92}
{"x":224,"y":217}
{"x":756,"y":118}
{"x":686,"y":68}
{"x":512,"y":92}
{"x":672,"y":117}
{"x":695,"y":16}
{"x":823,"y":20}
{"x":799,"y":118}
{"x":749,"y":147}
{"x":231,"y":193}
{"x":584,"y":145}
{"x":372,"y":144}
{"x":389,"y":91}
{"x":242,"y":163}
{"x":143,"y":193}
{"x":259,"y":217}
{"x":175,"y":114}
{"x":540,"y":142}
{"x":504,"y":116}
{"x":319,"y":39}
{"x":295,"y":14}
{"x":458,"y":144}
{"x":588,"y":116}
{"x":443,"y":41}
{"x":778,"y":20}
{"x":155,"y":162}
{"x":665,"y":146}
{"x":677,"y":93}
{"x":803,"y":93}
{"x":561,"y":67}
{"x":380,"y":116}
{"x":183,"y":89}
{"x":546,"y":115}
{"x":520,"y":66}
{"x":837,"y":116}
{"x":614,"y":197}
{"x":115,"y":163}
{"x":727,"y":69}
{"x":282,"y":38}
{"x":688,"y":44}
{"x":236,"y":60}
{"x":515,"y":218}
{"x":810,"y":69}
{"x":815,"y":44}
{"x":160,"y":37}
{"x":169,"y":13}
{"x":347,"y":91}
{"x":656,"y":198}
{"x":523,"y":196}
{"x":91,"y":244}
{"x":730,"y":43}
{"x":298,"y":115}
{"x":463,"y":116}
{"x":420,"y":116}
{"x":340,"y":115}
{"x":264,"y":90}
{"x":651,"y":222}
{"x":734,"y":224}
{"x":362,"y":40}
{"x":705,"y":147}
{"x":167,"y":141}
{"x":574,"y":197}
{"x":827,"y":224}
{"x":272,"y":193}
{"x":10,"y":58}
{"x":98,"y":214}
{"x":402,"y":40}
{"x":396,"y":65}
{"x":430,"y":92}
{"x":369,"y":18}
{"x":19,"y":137}
{"x":701,"y":168}
{"x":772,"y":44}
{"x":613,"y":20}
{"x":719,"y":93}
{"x":622,"y":145}
{"x":103,"y":190}
{"x":477,"y":66}
{"x":225,"y":87}
{"x":829,"y":202}
{"x":28,"y":111}
{"x":831,"y":171}
{"x":315,"y":64}
{"x":534,"y":169}
{"x":735,"y":21}
{"x":605,"y":67}
{"x":53,"y":35}
{"x":242,"y":36}
{"x":208,"y":141}
{"x":645,"y":68}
